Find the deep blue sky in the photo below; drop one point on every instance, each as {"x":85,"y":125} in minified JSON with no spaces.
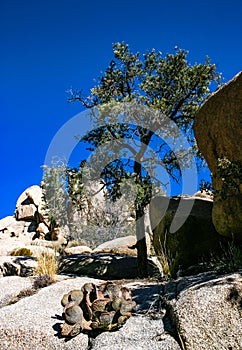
{"x":48,"y":46}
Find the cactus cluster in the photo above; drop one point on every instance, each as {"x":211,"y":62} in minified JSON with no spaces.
{"x":105,"y":307}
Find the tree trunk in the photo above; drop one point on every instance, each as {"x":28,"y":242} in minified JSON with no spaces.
{"x":142,"y":258}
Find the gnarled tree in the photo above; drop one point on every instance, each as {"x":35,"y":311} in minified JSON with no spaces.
{"x":167,"y":84}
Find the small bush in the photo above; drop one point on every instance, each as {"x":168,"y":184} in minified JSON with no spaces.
{"x":22,"y":294}
{"x":229,"y":259}
{"x":42,"y":281}
{"x":21,"y":252}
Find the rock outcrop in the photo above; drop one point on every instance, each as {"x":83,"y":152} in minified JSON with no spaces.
{"x":26,"y":326}
{"x":195,"y":237}
{"x":17,"y":266}
{"x":104,"y":265}
{"x":122,"y":245}
{"x":218,"y":133}
{"x":30,"y":219}
{"x":207,"y":311}
{"x":194,"y":313}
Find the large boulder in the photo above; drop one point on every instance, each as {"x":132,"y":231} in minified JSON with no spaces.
{"x":218,"y":133}
{"x":80,"y":249}
{"x":32,"y":195}
{"x":183,"y":232}
{"x":17,"y":266}
{"x":34,"y":322}
{"x":103,"y":265}
{"x":206,"y":311}
{"x":14,"y":228}
{"x":32,"y":206}
{"x":122,"y":245}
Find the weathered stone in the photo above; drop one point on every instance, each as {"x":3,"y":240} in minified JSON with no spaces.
{"x":30,"y":228}
{"x":34,"y":322}
{"x":17,"y":266}
{"x":11,"y":286}
{"x":122,"y":245}
{"x":104,"y":266}
{"x":207,"y":312}
{"x":218,"y":133}
{"x":42,"y":229}
{"x":116,"y":244}
{"x":6,"y":222}
{"x":138,"y":333}
{"x":32,"y":195}
{"x":16,"y":228}
{"x":194,"y":237}
{"x":25,"y":212}
{"x":78,"y":250}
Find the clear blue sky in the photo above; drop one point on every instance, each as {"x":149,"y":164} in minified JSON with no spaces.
{"x":48,"y":46}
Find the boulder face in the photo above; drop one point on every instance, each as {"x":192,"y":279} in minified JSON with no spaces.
{"x":195,"y":236}
{"x":206,"y":310}
{"x":218,"y":133}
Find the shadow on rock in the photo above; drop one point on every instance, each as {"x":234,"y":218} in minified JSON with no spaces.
{"x":104,"y":265}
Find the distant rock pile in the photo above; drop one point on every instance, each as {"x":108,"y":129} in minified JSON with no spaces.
{"x":30,"y":217}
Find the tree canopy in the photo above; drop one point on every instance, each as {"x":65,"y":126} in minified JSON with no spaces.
{"x":171,"y":89}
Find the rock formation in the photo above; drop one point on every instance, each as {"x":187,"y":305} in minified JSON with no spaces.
{"x":194,"y":239}
{"x":30,"y":218}
{"x":218,"y":131}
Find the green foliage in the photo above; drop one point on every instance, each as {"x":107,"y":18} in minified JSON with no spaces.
{"x":167,"y":84}
{"x":53,"y":185}
{"x":231,"y":174}
{"x":21,"y":252}
{"x":229,"y":259}
{"x":71,"y":203}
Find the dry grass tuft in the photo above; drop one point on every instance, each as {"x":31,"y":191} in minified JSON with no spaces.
{"x":47,"y":265}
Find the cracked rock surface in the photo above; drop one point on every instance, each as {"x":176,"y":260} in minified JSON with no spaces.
{"x":35,"y":322}
{"x":201,"y":312}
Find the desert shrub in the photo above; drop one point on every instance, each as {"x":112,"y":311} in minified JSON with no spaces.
{"x":47,"y":265}
{"x":42,"y":281}
{"x":229,"y":259}
{"x":21,"y":252}
{"x":22,"y":294}
{"x":231,"y":174}
{"x":168,"y":263}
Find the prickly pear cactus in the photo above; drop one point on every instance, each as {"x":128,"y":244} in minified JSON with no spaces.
{"x":105,"y":307}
